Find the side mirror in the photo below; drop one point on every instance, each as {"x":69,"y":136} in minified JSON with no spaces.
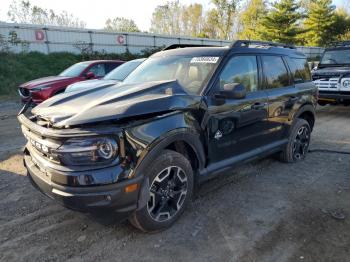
{"x":90,"y":75}
{"x":233,"y":91}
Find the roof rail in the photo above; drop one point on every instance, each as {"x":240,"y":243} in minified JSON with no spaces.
{"x":341,"y":44}
{"x":174,"y":46}
{"x":247,"y":43}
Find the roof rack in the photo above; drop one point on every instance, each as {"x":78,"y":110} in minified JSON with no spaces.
{"x":174,"y":46}
{"x":340,"y":44}
{"x":247,"y":43}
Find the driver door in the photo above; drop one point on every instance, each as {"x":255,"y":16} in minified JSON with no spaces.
{"x":236,"y":127}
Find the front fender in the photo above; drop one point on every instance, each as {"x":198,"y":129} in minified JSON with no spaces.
{"x":150,"y":138}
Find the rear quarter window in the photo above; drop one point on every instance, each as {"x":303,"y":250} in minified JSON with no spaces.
{"x":299,"y":69}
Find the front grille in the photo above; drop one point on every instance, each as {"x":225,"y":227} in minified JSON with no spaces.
{"x":24,"y":92}
{"x":42,"y":145}
{"x":327,"y":84}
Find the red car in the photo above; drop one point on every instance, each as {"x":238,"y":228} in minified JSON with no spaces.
{"x":43,"y":88}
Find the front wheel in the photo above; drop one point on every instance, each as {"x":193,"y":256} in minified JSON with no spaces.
{"x":171,"y":188}
{"x":298,"y":142}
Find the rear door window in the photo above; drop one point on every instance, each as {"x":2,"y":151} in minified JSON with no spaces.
{"x":299,"y":69}
{"x":275,"y":72}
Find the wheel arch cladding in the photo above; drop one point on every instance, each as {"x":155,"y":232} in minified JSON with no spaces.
{"x":175,"y":132}
{"x":307,"y":112}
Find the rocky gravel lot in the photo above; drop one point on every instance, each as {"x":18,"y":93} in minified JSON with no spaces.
{"x":263,"y":211}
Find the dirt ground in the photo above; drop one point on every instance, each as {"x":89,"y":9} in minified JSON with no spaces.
{"x":263,"y":211}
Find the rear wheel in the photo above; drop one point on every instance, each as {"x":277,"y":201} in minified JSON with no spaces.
{"x":171,"y":187}
{"x":298,"y":142}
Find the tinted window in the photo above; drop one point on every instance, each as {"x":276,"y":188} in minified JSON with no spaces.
{"x":275,"y":72}
{"x":240,"y":70}
{"x":300,"y":70}
{"x":110,"y":66}
{"x":98,"y":70}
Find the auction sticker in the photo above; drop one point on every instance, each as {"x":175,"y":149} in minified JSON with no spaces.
{"x":205,"y":59}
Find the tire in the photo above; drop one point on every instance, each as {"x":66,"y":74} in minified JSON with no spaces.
{"x":298,"y":142}
{"x":170,"y":187}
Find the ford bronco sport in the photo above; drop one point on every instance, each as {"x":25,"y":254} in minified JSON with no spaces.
{"x":183,"y":116}
{"x":332,"y":75}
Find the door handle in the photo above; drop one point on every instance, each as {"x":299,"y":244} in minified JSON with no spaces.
{"x":258,"y":106}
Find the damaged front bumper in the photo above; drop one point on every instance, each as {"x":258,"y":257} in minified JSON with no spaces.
{"x":88,"y":189}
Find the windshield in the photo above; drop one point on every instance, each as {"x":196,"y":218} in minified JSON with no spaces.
{"x":336,"y":57}
{"x":191,"y":72}
{"x":74,"y":70}
{"x":123,"y":71}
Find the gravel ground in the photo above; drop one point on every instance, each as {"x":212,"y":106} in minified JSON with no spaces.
{"x":263,"y":211}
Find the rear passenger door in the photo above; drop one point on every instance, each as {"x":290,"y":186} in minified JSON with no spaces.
{"x":281,"y":92}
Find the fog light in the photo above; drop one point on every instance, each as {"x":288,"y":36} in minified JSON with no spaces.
{"x":131,"y":188}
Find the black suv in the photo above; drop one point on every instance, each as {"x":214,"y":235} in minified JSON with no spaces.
{"x":183,"y":116}
{"x":332,"y":75}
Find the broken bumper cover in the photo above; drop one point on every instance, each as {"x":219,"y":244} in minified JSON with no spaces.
{"x":93,"y":199}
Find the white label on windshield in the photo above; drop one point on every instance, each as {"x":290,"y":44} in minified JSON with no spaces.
{"x":205,"y":59}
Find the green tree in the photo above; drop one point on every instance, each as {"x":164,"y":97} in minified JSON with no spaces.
{"x":342,"y":24}
{"x":223,"y":17}
{"x":121,"y":24}
{"x":166,"y":19}
{"x":319,"y":23}
{"x":192,"y":20}
{"x":281,"y":23}
{"x":25,"y":12}
{"x":250,"y":19}
{"x":209,"y":27}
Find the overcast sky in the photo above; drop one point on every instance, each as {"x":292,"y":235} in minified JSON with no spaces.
{"x":95,"y":13}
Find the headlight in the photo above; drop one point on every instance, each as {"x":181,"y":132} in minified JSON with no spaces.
{"x":87,"y":151}
{"x":39,"y":88}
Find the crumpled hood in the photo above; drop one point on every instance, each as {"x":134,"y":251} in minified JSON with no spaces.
{"x":90,"y":84}
{"x":45,"y":81}
{"x":114,"y":103}
{"x":331,"y":71}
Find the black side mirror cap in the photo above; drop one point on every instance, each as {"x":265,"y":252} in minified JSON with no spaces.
{"x":233,"y":91}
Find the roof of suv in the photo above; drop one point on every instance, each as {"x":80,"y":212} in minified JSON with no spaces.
{"x":342,"y":45}
{"x":255,"y":47}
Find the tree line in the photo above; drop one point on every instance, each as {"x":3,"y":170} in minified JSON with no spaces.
{"x":301,"y":22}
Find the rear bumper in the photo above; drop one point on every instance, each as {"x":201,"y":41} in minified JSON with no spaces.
{"x":93,"y":199}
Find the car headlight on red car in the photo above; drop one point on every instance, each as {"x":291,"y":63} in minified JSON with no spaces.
{"x":87,"y":151}
{"x":39,"y":88}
